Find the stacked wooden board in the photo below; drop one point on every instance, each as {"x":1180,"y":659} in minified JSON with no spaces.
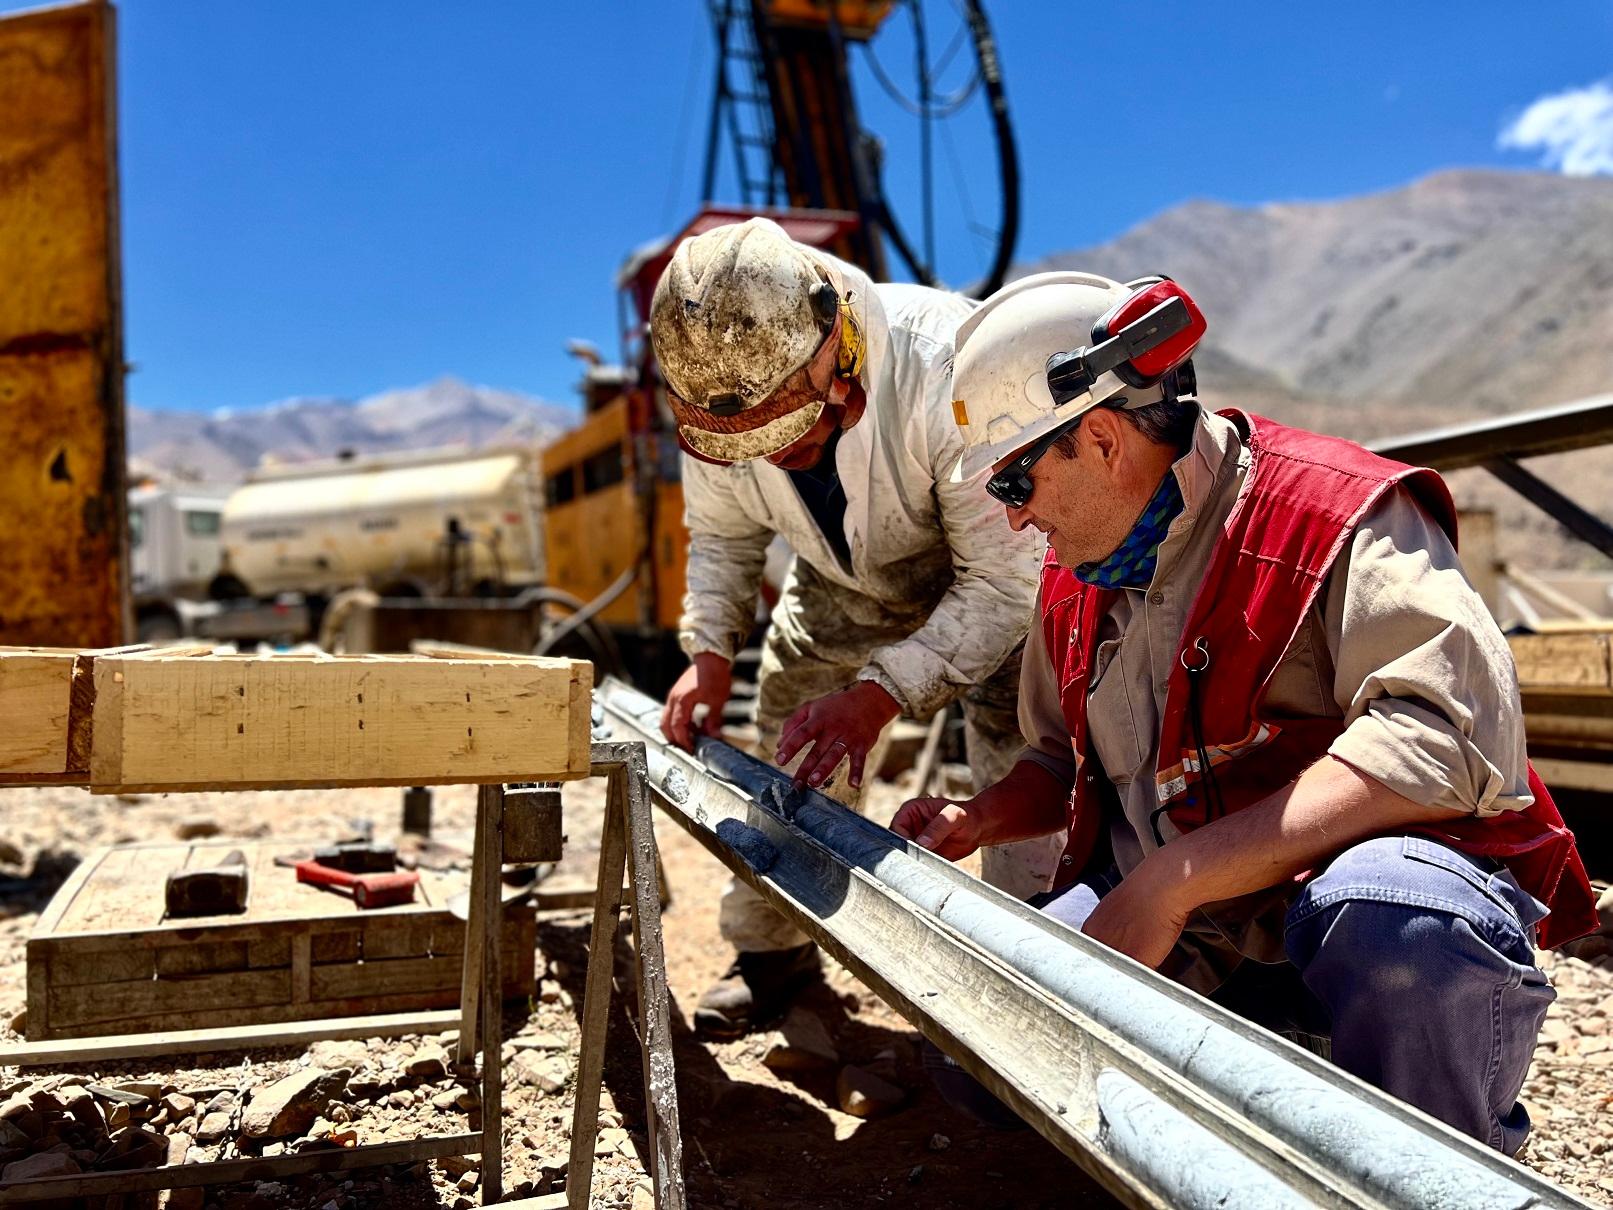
{"x":103,"y":959}
{"x":1566,"y":677}
{"x":126,"y":720}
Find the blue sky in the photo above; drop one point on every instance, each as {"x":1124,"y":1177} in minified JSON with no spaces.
{"x":336,"y":198}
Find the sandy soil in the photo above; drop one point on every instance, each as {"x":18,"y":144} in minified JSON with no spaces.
{"x":752,"y":1137}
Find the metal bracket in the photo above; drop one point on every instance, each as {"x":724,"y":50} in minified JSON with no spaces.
{"x":1497,"y":444}
{"x":1584,"y":525}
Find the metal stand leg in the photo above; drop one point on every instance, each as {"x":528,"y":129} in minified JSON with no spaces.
{"x":628,"y":843}
{"x":470,"y":979}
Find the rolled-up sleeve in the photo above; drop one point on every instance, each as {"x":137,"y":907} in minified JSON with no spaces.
{"x":727,"y":553}
{"x":1422,"y":673}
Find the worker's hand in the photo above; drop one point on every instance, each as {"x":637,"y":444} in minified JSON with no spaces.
{"x":840,"y":726}
{"x":1140,"y":918}
{"x":947,"y":827}
{"x":707,"y":681}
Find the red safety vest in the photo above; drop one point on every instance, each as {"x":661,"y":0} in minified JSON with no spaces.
{"x":1302,"y":499}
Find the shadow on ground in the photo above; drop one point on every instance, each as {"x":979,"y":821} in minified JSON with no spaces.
{"x":771,"y":1143}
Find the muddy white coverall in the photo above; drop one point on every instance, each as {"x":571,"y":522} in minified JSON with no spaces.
{"x":937,"y":598}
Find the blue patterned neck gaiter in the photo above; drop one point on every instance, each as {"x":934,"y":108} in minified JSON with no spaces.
{"x":1133,"y":561}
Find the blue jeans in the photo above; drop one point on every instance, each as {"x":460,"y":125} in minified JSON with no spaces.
{"x":1417,"y":961}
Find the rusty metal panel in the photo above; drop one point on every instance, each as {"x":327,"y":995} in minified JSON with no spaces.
{"x":62,"y":493}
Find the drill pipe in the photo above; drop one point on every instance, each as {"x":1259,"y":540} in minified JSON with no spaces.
{"x":1199,"y":1081}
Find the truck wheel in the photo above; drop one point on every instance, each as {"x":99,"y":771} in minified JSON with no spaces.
{"x":158,"y":627}
{"x":226,"y":587}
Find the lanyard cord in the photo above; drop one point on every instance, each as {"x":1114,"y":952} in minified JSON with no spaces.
{"x":1214,"y":805}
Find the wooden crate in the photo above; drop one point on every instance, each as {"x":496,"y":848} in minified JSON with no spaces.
{"x":1563,"y":662}
{"x":102,"y":959}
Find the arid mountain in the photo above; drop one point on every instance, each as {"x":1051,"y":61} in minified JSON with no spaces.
{"x":1463,"y":295}
{"x":221,"y":447}
{"x":1472,"y":292}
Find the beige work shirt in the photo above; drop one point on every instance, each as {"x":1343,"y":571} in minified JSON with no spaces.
{"x":1398,"y":646}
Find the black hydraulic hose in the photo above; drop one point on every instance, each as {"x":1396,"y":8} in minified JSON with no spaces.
{"x":601,"y":643}
{"x":1007,"y":151}
{"x":588,"y":612}
{"x":898,"y":238}
{"x":1007,"y":163}
{"x":926,"y":158}
{"x":936,"y":107}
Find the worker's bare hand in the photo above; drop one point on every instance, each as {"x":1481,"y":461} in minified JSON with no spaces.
{"x":840,"y":726}
{"x":945,"y":826}
{"x":1141,"y":920}
{"x":707,"y":681}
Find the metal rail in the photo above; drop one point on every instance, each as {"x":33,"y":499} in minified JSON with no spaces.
{"x":1496,"y":445}
{"x":1554,"y":430}
{"x":1160,"y":1095}
{"x":1570,"y":514}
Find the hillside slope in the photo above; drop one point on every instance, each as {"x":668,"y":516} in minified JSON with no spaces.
{"x":1468,"y":291}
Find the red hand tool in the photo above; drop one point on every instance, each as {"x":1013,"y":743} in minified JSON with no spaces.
{"x":368,"y":890}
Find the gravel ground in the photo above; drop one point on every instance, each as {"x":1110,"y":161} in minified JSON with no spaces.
{"x":757,"y":1131}
{"x":1570,"y":1089}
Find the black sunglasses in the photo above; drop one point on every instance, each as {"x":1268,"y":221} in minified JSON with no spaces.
{"x":1013,"y":484}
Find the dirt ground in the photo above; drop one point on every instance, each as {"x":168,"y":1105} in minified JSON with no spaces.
{"x":753,"y":1136}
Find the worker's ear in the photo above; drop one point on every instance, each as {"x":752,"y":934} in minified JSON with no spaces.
{"x":849,"y":397}
{"x":1102,"y":429}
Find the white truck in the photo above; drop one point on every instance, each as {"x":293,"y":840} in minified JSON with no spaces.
{"x":420,"y":524}
{"x":262,"y":560}
{"x":174,"y":555}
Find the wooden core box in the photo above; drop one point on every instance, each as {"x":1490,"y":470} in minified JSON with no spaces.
{"x":103,"y":960}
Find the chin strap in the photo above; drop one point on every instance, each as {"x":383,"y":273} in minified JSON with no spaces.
{"x":849,"y":358}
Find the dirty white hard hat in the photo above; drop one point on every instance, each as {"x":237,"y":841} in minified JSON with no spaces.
{"x":738,"y":311}
{"x":1002,"y":401}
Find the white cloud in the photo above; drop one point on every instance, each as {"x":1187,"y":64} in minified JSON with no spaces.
{"x":1573,"y":130}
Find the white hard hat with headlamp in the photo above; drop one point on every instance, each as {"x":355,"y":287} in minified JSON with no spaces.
{"x":1045,"y":350}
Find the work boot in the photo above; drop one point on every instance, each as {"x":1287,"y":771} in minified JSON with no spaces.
{"x":756,"y":988}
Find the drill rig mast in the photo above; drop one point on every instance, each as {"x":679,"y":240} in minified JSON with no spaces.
{"x":784,"y":108}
